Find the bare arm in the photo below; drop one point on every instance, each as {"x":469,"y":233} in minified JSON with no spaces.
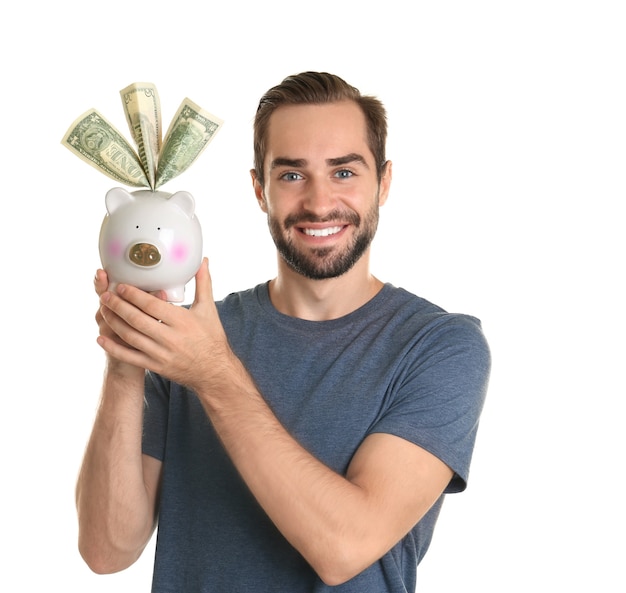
{"x":117,"y":485}
{"x":339,"y":524}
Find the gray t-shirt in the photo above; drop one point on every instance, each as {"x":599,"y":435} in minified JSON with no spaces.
{"x":397,"y":365}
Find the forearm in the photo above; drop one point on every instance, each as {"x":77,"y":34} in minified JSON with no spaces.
{"x":115,"y":513}
{"x":323,"y":515}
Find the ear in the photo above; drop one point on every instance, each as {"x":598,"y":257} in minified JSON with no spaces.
{"x":117,"y":197}
{"x":385,"y":184}
{"x":258,"y":191}
{"x":184,"y":200}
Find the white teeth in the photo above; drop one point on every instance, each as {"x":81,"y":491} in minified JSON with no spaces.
{"x":322,"y":232}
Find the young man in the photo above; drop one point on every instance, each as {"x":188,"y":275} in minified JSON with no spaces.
{"x":302,"y":434}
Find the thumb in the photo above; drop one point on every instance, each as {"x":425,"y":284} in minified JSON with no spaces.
{"x":204,"y":286}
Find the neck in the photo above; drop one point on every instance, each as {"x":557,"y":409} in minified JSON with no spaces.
{"x":320,"y":300}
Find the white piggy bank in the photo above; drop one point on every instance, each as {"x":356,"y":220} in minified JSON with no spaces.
{"x":151,"y":240}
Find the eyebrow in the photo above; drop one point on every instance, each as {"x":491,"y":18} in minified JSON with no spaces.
{"x":353,"y":157}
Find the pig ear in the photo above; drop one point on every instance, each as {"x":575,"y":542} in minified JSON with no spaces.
{"x":184,"y":200}
{"x":115,"y":198}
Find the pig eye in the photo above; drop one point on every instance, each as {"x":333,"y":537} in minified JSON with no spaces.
{"x":137,"y":227}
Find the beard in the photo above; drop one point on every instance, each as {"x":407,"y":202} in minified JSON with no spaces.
{"x":324,"y":262}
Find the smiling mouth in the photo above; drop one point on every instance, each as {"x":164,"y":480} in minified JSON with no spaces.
{"x":326,"y":232}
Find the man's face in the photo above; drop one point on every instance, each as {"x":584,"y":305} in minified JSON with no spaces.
{"x":321,"y":193}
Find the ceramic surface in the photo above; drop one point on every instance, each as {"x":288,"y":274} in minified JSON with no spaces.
{"x":151,"y":240}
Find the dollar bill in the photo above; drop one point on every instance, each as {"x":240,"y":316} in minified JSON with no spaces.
{"x":96,"y":141}
{"x":143,"y":114}
{"x":189,"y":133}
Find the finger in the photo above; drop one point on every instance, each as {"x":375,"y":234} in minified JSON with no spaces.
{"x":140,"y":311}
{"x":135,"y":337}
{"x":121,"y":352}
{"x":204,"y":286}
{"x":129,"y":326}
{"x":106,"y":320}
{"x":101,"y":282}
{"x":153,"y":306}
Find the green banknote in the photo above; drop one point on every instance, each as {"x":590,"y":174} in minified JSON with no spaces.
{"x":96,"y":141}
{"x":189,"y":134}
{"x":143,"y":114}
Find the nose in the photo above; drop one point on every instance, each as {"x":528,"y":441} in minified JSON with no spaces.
{"x":319,"y":197}
{"x":144,"y":254}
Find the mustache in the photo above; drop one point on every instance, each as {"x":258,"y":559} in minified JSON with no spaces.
{"x":349,"y":217}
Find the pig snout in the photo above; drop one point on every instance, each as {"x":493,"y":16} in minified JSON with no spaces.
{"x":144,"y":254}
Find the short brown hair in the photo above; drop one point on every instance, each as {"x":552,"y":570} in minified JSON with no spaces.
{"x":319,"y":88}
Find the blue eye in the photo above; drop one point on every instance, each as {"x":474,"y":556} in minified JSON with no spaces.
{"x":344,"y":174}
{"x":291,"y":176}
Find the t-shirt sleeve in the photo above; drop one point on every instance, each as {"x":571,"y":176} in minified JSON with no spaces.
{"x":441,"y":394}
{"x":155,"y":419}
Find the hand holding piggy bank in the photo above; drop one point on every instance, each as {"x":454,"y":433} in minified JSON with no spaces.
{"x":151,"y":240}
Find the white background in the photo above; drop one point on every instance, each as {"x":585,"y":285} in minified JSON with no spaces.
{"x":508,"y":137}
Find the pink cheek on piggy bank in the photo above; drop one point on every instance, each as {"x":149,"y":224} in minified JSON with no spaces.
{"x":179,"y":252}
{"x":114,"y":249}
